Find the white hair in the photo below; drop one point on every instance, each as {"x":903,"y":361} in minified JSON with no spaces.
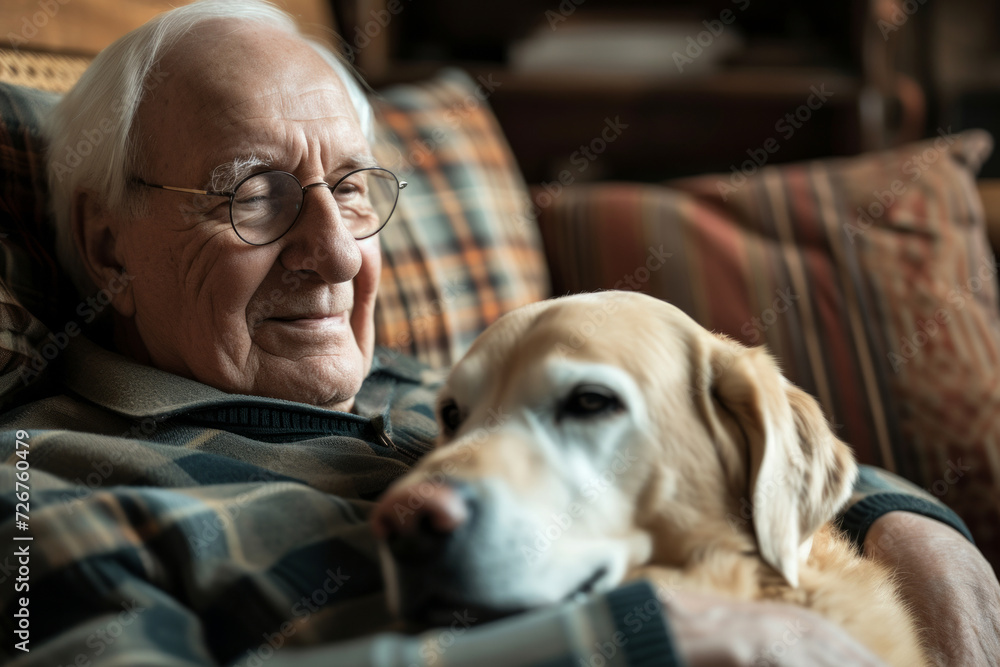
{"x":92,"y":144}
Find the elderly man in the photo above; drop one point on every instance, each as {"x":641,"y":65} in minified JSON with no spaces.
{"x":198,"y":492}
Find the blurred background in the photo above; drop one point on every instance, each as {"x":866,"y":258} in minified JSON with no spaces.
{"x":701,"y":86}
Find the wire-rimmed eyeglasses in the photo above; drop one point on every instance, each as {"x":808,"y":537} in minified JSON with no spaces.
{"x":265,"y":205}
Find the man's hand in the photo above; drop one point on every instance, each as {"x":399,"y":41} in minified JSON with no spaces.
{"x":721,"y":632}
{"x":952,"y":589}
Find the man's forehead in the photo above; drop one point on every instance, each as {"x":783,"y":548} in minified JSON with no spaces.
{"x":244,"y":69}
{"x":222,"y":48}
{"x":322,"y":101}
{"x":239,"y":97}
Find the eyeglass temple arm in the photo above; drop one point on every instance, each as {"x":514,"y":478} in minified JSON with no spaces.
{"x":174,"y":189}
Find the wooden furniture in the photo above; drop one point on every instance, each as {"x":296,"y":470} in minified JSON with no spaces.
{"x":85,"y":27}
{"x":679,"y":124}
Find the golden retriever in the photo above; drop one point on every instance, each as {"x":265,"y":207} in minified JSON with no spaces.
{"x":595,"y":438}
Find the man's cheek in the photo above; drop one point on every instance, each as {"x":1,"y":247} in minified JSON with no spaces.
{"x":367,"y":281}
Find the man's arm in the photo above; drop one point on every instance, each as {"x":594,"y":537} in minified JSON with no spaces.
{"x":877,"y":492}
{"x":949,"y":585}
{"x":279,"y":573}
{"x":229,"y":574}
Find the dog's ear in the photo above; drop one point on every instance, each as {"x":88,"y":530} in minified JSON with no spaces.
{"x":799,"y":473}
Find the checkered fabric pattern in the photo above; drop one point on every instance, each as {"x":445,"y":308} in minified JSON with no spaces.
{"x":869,"y":278}
{"x":34,"y":293}
{"x":462,"y":248}
{"x":172,"y":523}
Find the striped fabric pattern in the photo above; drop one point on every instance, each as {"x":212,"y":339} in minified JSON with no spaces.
{"x":869,"y":278}
{"x":462,"y":247}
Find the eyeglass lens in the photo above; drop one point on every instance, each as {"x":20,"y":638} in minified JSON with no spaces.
{"x":266,"y":205}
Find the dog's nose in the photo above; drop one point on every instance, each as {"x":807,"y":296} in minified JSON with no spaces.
{"x":416,"y":521}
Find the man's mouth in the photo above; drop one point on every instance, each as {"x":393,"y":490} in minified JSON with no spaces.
{"x":313,"y":323}
{"x":315,"y":320}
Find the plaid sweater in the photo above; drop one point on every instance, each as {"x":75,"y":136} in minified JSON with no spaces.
{"x":149,"y":519}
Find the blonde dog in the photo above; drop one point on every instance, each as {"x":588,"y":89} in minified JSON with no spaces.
{"x":600,"y":437}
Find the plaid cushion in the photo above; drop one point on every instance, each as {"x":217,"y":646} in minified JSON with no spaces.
{"x":462,"y":248}
{"x":869,"y":278}
{"x":34,"y":295}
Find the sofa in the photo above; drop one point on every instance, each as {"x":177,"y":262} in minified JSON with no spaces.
{"x":871,"y":279}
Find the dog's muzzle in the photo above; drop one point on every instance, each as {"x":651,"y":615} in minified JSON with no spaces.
{"x":430,"y":530}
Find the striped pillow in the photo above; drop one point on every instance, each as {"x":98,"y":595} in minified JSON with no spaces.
{"x":869,"y":278}
{"x":462,"y":248}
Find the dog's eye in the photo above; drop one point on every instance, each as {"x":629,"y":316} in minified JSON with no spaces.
{"x":450,"y":416}
{"x":590,"y":401}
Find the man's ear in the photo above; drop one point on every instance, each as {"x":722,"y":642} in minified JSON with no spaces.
{"x":799,"y":473}
{"x":96,"y":235}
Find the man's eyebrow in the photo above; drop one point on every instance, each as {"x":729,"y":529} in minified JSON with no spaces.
{"x":359,"y":161}
{"x":225,"y":177}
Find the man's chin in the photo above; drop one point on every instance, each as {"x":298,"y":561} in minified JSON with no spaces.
{"x":325,"y":380}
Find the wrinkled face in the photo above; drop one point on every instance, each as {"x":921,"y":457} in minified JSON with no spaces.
{"x":292,"y":319}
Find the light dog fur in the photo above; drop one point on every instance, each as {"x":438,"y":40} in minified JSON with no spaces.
{"x":595,"y":438}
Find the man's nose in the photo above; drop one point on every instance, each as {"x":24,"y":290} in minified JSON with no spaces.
{"x":320,"y":242}
{"x":417,"y":521}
